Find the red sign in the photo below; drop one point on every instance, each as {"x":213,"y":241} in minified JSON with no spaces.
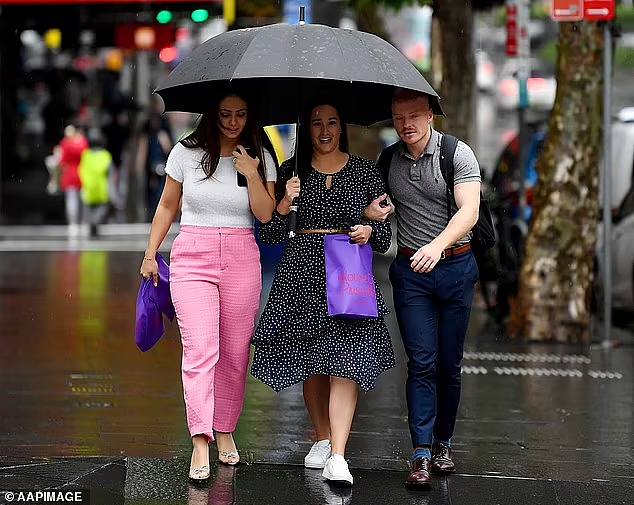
{"x":84,"y":2}
{"x":144,"y":37}
{"x":599,"y":10}
{"x":566,"y":10}
{"x":511,"y":29}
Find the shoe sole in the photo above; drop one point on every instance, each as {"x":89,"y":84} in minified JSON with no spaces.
{"x":436,"y":471}
{"x":314,"y":466}
{"x":226,"y":463}
{"x":194,"y":480}
{"x":341,"y":481}
{"x":443,"y":472}
{"x":417,"y":485}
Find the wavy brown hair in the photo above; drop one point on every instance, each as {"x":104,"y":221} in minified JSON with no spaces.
{"x":206,"y":136}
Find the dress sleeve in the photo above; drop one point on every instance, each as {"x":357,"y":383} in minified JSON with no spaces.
{"x":276,"y":230}
{"x":381,"y":232}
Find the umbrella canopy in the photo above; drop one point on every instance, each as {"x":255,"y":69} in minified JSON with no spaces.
{"x":282,"y":66}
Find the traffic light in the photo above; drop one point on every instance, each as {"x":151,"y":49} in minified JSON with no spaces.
{"x":164,"y":17}
{"x":168,"y":54}
{"x":200,"y":15}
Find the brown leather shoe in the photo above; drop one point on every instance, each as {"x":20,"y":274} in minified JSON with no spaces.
{"x":441,"y":462}
{"x":420,"y":475}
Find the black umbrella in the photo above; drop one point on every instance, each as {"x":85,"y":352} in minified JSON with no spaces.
{"x":282,"y":65}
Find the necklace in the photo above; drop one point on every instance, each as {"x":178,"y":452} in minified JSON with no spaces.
{"x":328,"y":181}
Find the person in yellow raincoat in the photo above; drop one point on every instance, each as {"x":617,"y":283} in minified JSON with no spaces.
{"x":94,"y":167}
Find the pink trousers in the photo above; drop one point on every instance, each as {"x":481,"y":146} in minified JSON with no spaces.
{"x":216,"y":282}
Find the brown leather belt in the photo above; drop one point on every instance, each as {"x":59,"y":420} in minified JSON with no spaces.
{"x":327,"y":232}
{"x":447,"y":253}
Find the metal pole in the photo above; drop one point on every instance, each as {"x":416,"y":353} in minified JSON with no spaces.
{"x":522,"y":155}
{"x":523,"y":73}
{"x":292,"y":215}
{"x":607,"y":184}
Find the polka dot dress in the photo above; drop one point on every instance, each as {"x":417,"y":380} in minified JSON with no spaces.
{"x":296,"y":338}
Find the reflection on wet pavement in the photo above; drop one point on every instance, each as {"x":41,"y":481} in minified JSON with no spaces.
{"x":74,"y":384}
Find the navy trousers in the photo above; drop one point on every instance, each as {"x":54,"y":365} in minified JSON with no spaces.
{"x":433,"y":311}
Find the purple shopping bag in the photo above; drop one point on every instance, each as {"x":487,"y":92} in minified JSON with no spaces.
{"x":151,"y":303}
{"x":350,"y":288}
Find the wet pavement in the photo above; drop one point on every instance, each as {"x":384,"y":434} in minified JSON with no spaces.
{"x":81,"y":407}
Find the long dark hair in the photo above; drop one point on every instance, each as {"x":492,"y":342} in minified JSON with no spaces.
{"x":304,"y":144}
{"x":206,"y":136}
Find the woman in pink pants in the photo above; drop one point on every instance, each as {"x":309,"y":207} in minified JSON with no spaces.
{"x":225,"y":174}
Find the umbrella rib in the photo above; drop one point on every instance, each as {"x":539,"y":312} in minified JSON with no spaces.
{"x":367,"y":47}
{"x":340,"y":48}
{"x":246,"y":49}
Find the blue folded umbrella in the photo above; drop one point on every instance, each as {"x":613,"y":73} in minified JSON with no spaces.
{"x":151,"y":304}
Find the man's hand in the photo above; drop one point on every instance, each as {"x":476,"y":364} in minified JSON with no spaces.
{"x":426,"y":258}
{"x":379,"y":209}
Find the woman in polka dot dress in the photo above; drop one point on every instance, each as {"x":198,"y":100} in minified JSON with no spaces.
{"x":295,"y":339}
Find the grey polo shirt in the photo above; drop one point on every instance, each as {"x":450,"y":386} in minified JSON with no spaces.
{"x":418,"y":188}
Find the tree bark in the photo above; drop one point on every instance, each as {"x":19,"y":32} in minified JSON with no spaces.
{"x":455,"y":19}
{"x":553,"y":301}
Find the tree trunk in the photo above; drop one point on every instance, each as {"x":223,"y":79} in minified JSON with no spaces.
{"x":557,"y":272}
{"x":370,"y":20}
{"x":455,"y":19}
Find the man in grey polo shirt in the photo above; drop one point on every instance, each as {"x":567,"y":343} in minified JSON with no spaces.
{"x":433,"y":275}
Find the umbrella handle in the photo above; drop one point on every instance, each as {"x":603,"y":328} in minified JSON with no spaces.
{"x":292,"y":220}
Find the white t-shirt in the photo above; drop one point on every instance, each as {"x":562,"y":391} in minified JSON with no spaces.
{"x":218,"y":201}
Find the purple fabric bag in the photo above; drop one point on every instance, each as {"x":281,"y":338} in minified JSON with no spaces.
{"x":151,"y":303}
{"x":350,"y":288}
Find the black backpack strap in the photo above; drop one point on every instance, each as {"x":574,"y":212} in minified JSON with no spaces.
{"x":384,"y":162}
{"x":448,"y":146}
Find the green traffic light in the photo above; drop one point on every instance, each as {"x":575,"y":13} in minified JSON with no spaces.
{"x":164,"y":17}
{"x":200,"y":15}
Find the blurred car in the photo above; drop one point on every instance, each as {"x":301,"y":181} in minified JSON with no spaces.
{"x":541,"y":85}
{"x":503,"y":198}
{"x":622,"y":245}
{"x":485,"y":72}
{"x":622,"y":253}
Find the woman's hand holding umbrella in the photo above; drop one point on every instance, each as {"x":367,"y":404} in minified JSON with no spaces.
{"x":292,"y":192}
{"x":288,"y":204}
{"x":292,"y":189}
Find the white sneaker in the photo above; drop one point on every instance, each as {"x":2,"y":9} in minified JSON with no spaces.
{"x":336,"y":470}
{"x":318,"y":454}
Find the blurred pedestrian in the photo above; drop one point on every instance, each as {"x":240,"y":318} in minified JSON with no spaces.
{"x":71,"y":147}
{"x":95,"y":168}
{"x":433,"y":275}
{"x":117,"y":132}
{"x":155,"y":143}
{"x":215,"y":271}
{"x":296,"y":340}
